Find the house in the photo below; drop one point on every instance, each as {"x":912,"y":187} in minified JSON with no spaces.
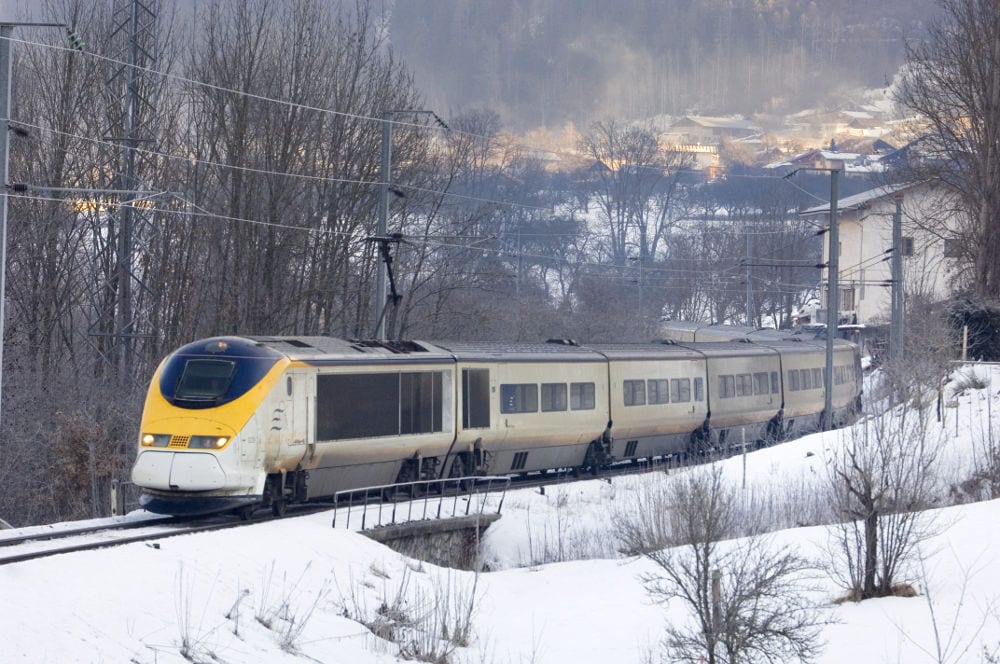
{"x":865,"y":245}
{"x":853,"y":163}
{"x":702,"y":130}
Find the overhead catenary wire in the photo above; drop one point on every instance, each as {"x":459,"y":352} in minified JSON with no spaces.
{"x":319,"y":109}
{"x":650,"y":271}
{"x":205,"y":213}
{"x":367,"y":182}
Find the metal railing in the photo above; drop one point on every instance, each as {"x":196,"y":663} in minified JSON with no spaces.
{"x":428,"y":498}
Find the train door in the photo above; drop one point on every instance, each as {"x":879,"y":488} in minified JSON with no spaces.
{"x":477,"y":435}
{"x":299,"y":398}
{"x":476,"y":390}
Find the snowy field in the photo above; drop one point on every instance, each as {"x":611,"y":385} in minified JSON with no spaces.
{"x":300,"y":591}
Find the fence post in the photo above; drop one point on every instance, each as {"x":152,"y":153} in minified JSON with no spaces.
{"x":117,"y":498}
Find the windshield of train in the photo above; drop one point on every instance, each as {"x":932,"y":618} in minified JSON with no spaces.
{"x":205,"y":379}
{"x":215,"y":371}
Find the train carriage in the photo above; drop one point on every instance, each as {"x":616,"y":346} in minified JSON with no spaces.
{"x":526,"y":407}
{"x":239,"y":422}
{"x":232,"y":421}
{"x":657,"y":397}
{"x":744,"y":392}
{"x":803,"y":371}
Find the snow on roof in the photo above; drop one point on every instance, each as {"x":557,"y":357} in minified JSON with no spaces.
{"x":721,"y":123}
{"x":854,"y":162}
{"x":858,"y":200}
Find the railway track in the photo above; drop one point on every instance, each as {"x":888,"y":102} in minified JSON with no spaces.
{"x":23,"y":546}
{"x":34,"y":543}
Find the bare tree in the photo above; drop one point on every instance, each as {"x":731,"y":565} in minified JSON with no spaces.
{"x":637,"y":187}
{"x":271,"y":136}
{"x":882,"y":478}
{"x":951,"y":81}
{"x":950,"y":640}
{"x":747,"y":597}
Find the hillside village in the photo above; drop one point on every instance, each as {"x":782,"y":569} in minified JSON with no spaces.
{"x":866,"y":132}
{"x":870,"y":144}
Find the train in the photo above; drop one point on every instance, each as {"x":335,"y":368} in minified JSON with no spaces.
{"x":238,"y":423}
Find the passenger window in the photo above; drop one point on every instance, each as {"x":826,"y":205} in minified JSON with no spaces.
{"x":699,"y":389}
{"x":727,"y":387}
{"x":793,"y":380}
{"x":635,"y":392}
{"x":420,"y":402}
{"x":775,"y":387}
{"x":761,"y":385}
{"x":519,"y":398}
{"x":475,"y":398}
{"x":553,"y":397}
{"x":658,"y":391}
{"x":680,"y":390}
{"x":581,"y":396}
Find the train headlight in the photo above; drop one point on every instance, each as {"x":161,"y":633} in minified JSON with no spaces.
{"x":208,"y":442}
{"x":155,"y":439}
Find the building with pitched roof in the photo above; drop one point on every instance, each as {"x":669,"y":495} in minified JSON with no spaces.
{"x":865,"y":234}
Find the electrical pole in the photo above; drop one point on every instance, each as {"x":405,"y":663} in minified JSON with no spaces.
{"x":749,"y":283}
{"x":6,"y":69}
{"x":131,"y":123}
{"x":6,"y":30}
{"x":383,"y":221}
{"x":832,"y":297}
{"x":896,"y":322}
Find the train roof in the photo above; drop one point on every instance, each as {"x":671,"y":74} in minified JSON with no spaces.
{"x":326,"y":348}
{"x":730,"y":348}
{"x":553,"y":351}
{"x":644,"y":351}
{"x":316,"y":349}
{"x":688,"y":331}
{"x":806,"y":343}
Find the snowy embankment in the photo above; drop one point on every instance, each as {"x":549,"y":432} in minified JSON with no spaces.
{"x":298,"y":590}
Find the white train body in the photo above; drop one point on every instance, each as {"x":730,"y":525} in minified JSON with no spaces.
{"x":235,"y":422}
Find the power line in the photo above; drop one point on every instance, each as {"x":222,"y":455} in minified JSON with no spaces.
{"x":205,"y":213}
{"x":357,"y":116}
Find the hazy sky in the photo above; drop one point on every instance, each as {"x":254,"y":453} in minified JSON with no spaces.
{"x":16,"y":10}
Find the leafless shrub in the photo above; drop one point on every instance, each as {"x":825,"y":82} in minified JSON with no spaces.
{"x":288,"y":614}
{"x":426,"y":624}
{"x":644,"y":525}
{"x":882,"y":479}
{"x":746,"y":597}
{"x":950,"y":644}
{"x":193,"y":637}
{"x":570,"y":538}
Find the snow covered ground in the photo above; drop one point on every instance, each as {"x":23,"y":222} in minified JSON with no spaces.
{"x":298,"y":590}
